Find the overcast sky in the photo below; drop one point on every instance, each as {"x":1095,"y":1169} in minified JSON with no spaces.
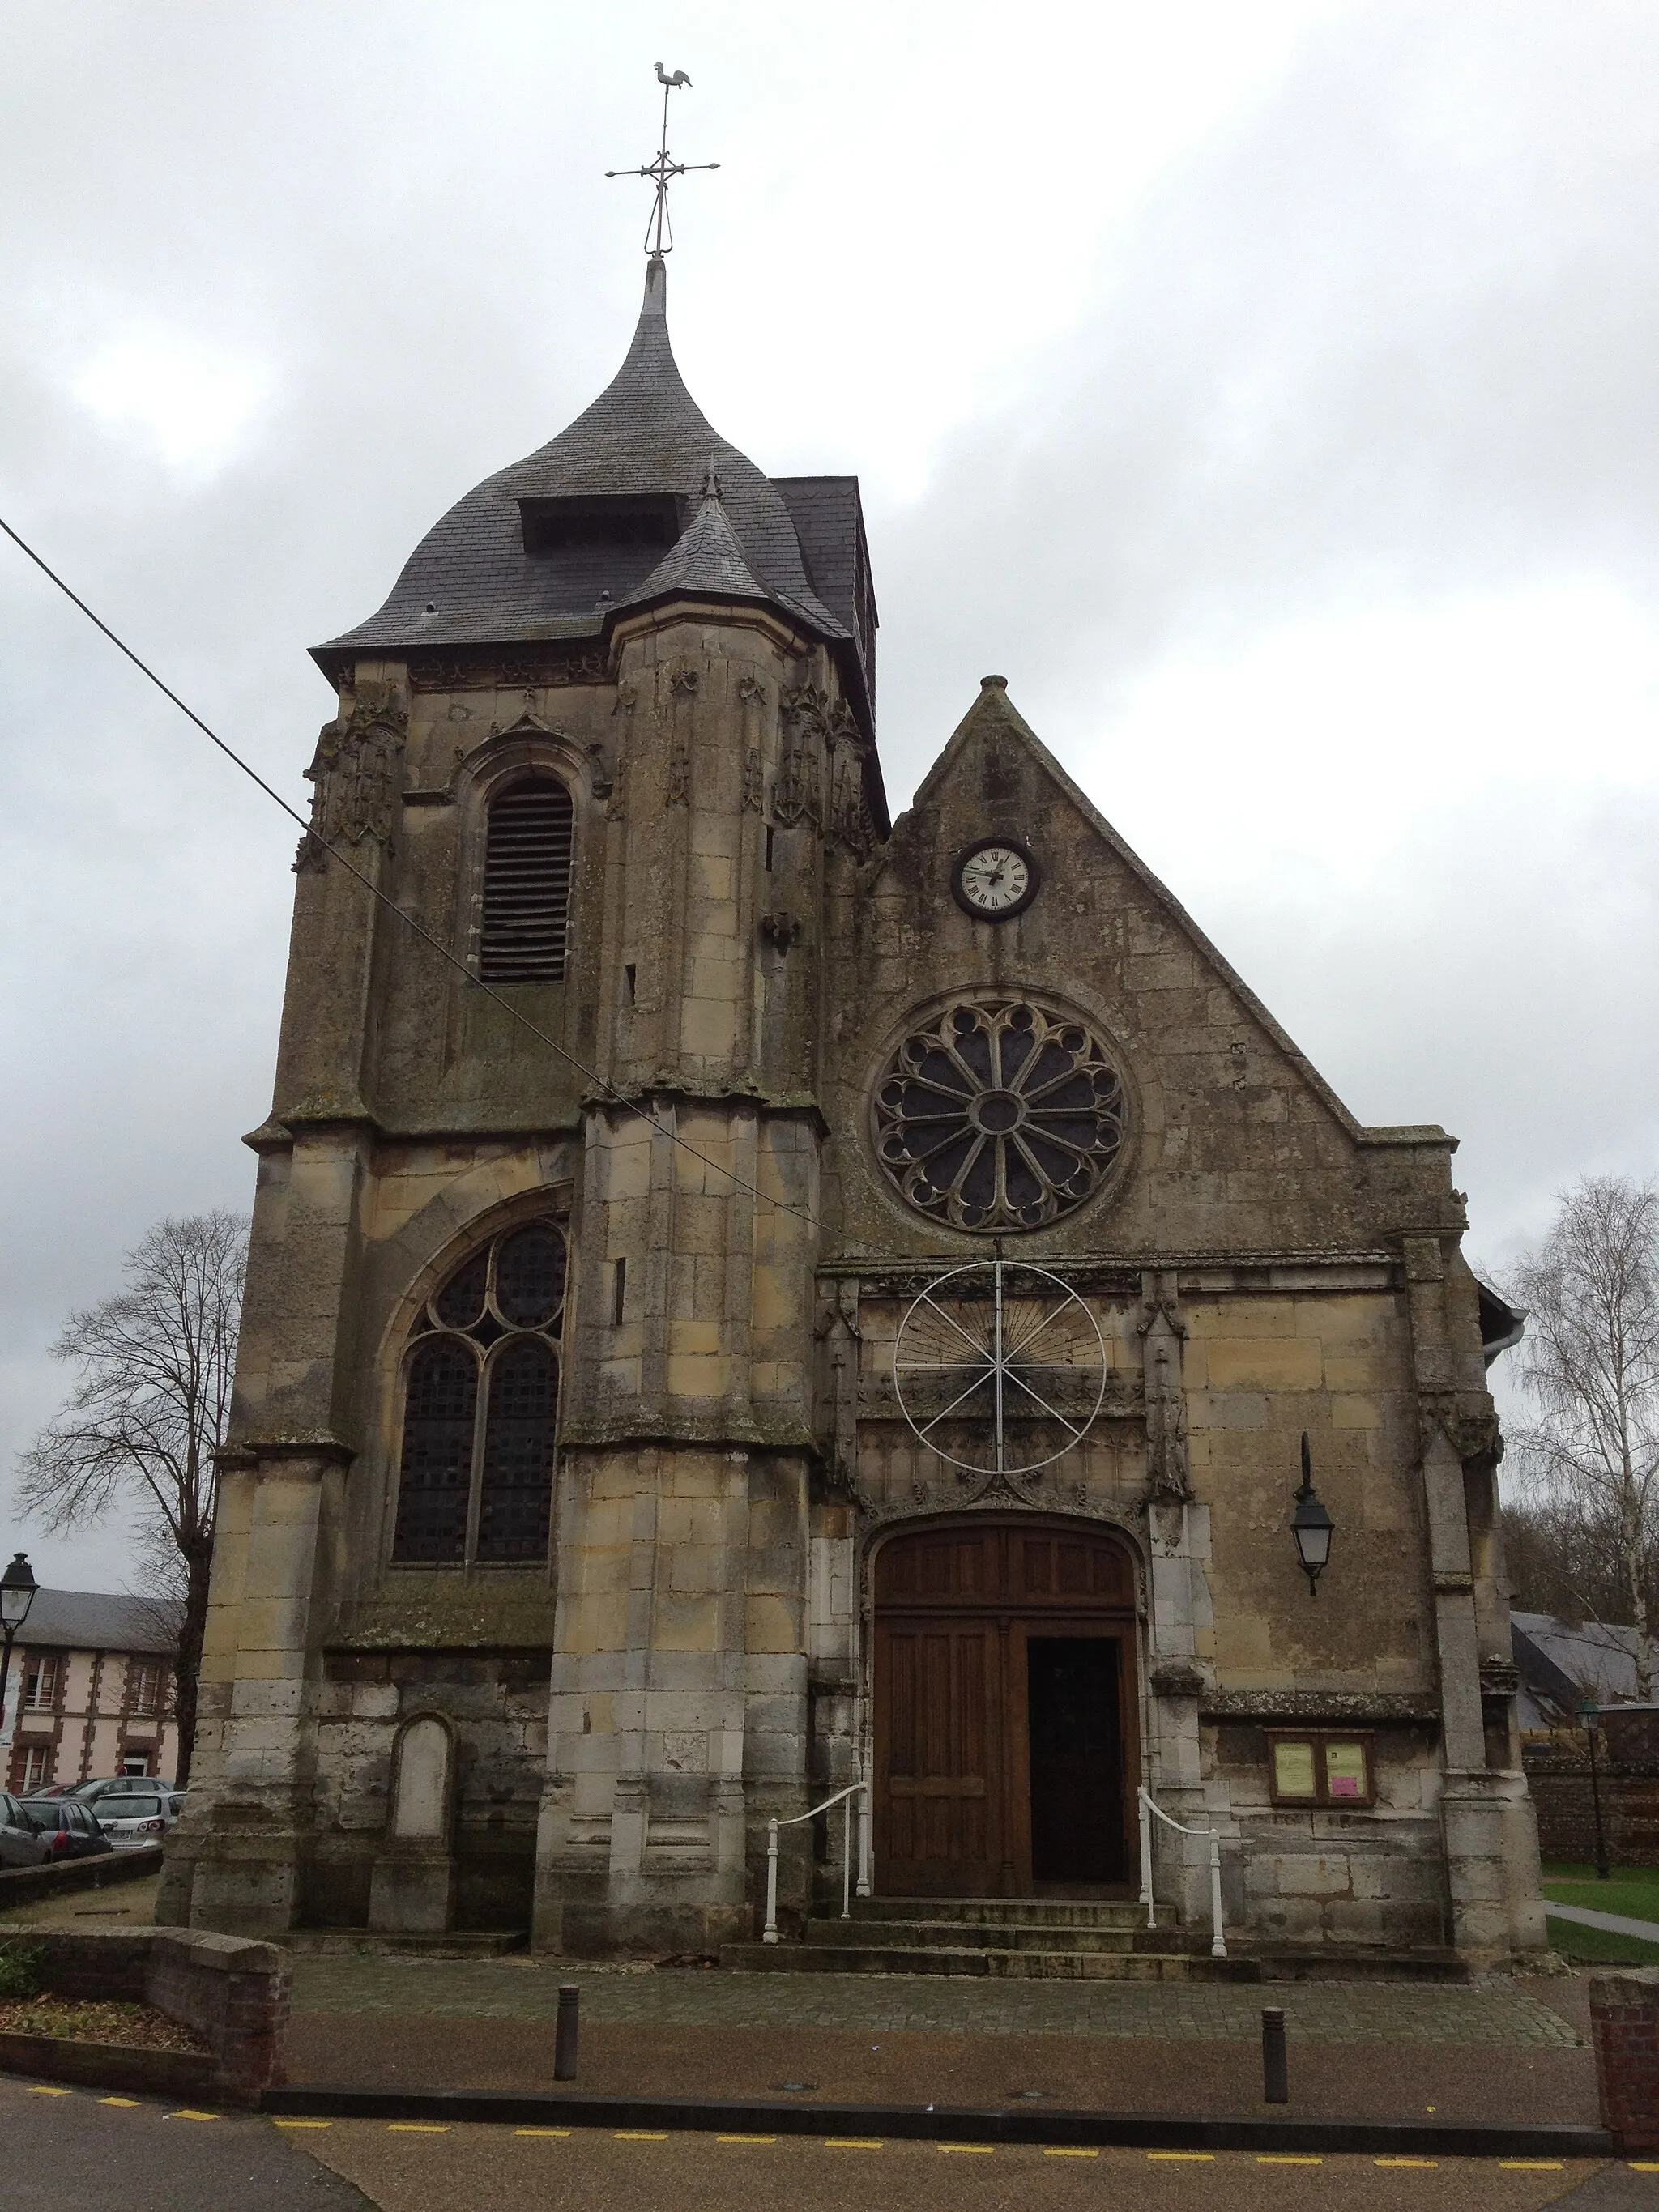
{"x":1269,"y":392}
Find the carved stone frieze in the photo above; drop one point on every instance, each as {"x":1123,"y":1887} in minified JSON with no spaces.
{"x":355,"y":773}
{"x":754,"y":781}
{"x":491,"y":670}
{"x":1468,"y":1421}
{"x":1162,"y":1330}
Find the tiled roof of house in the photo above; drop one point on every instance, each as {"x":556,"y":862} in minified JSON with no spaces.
{"x":95,"y":1620}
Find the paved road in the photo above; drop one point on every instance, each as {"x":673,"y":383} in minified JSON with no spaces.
{"x":591,"y":2170}
{"x":1494,"y":2012}
{"x":159,"y":2158}
{"x":62,"y":2148}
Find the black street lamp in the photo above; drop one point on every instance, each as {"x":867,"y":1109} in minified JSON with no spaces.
{"x":1311,"y":1525}
{"x":16,"y":1596}
{"x":1588,"y":1714}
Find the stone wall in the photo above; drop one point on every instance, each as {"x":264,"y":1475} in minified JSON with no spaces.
{"x":1558,"y":1775}
{"x":234,"y":1994}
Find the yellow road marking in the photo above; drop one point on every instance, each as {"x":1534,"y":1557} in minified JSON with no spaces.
{"x":641,"y":2135}
{"x":44,"y":2092}
{"x":189,"y":2115}
{"x":1071,"y":2153}
{"x":759,"y":2139}
{"x":1287,"y":2158}
{"x":1532,"y":2164}
{"x":302,"y":2123}
{"x":417,"y":2127}
{"x":1405,"y":2161}
{"x":1645,"y":2166}
{"x":1189,"y":2157}
{"x":128,"y":2104}
{"x":851,"y":2143}
{"x":542,"y":2131}
{"x":972,"y":2150}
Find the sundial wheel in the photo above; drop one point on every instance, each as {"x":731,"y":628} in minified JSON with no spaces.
{"x":1000,"y":1368}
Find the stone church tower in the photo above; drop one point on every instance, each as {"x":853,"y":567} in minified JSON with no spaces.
{"x":608,"y":1476}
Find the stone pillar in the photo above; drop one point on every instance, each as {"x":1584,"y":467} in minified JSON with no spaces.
{"x":1625,"y":2029}
{"x":234,"y":1861}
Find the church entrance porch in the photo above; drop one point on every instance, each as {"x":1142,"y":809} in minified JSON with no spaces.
{"x":1007,"y":1744}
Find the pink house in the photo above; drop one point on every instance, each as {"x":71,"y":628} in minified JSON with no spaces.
{"x":90,"y":1692}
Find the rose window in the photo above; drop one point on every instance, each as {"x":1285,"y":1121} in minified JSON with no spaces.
{"x":1001,"y":1116}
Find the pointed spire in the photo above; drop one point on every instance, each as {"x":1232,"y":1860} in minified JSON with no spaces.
{"x":708,"y":561}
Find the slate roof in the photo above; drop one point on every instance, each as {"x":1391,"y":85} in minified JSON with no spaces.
{"x":707,"y":561}
{"x":472,"y":580}
{"x":93,"y":1620}
{"x":1561,"y":1662}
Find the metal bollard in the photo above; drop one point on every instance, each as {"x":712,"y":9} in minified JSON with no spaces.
{"x":565,"y":2032}
{"x":1275,"y":2072}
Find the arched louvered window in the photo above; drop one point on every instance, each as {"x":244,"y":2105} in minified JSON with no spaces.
{"x":480,"y":1407}
{"x":526,"y":884}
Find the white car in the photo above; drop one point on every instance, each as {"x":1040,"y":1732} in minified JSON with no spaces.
{"x":131,"y":1820}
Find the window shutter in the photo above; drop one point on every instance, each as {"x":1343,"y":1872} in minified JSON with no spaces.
{"x":526,"y":889}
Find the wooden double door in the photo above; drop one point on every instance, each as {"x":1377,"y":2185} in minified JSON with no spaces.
{"x":1005,"y":1740}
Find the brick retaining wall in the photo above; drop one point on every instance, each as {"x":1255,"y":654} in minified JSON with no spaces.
{"x":232,"y":1992}
{"x":1624,"y":2028}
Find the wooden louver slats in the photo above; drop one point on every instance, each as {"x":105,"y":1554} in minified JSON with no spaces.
{"x":527,"y":888}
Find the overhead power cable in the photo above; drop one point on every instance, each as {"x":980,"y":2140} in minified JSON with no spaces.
{"x":608,"y":1089}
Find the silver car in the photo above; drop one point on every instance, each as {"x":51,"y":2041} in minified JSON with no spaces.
{"x":22,"y":1844}
{"x":131,"y":1820}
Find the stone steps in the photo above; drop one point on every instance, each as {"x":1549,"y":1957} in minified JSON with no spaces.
{"x":1005,"y":1911}
{"x":954,"y":1935}
{"x":373,"y":1942}
{"x":1009,"y":1939}
{"x":852,"y":1957}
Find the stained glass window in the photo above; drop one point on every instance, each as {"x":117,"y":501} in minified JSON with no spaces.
{"x":480,"y":1407}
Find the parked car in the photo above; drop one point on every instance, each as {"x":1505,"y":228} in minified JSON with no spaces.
{"x":116,"y":1786}
{"x":22,"y":1844}
{"x":49,"y":1789}
{"x":131,"y":1820}
{"x":68,"y":1826}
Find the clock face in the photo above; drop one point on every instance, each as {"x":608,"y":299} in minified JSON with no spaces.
{"x":995,"y":879}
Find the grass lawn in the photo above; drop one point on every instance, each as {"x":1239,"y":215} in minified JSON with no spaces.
{"x":1632,"y":1890}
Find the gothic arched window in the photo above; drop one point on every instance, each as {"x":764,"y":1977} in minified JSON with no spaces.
{"x":481,"y":1406}
{"x":528,"y":835}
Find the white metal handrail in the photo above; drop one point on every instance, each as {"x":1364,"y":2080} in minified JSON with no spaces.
{"x":769,"y":1933}
{"x":1148,"y":1809}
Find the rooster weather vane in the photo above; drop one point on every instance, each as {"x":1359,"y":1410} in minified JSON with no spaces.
{"x":660,"y":231}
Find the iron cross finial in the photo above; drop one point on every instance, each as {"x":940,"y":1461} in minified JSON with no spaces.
{"x":660,"y":231}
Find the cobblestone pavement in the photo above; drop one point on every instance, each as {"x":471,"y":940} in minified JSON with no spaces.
{"x":1493,"y":2012}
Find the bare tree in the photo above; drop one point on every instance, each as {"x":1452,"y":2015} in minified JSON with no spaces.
{"x":1590,"y":1362}
{"x":145,"y":1417}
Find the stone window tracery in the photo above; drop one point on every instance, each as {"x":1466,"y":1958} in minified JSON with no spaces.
{"x":480,"y":1407}
{"x":1000,"y":1113}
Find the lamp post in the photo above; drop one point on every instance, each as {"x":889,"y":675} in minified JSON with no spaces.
{"x":1311,"y":1525}
{"x":16,"y":1596}
{"x":1588,"y":1713}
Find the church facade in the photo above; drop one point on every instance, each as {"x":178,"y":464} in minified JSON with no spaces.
{"x":748,"y":1298}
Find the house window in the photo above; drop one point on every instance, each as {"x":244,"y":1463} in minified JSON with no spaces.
{"x":143,"y":1687}
{"x":134,"y":1763}
{"x":481,"y":1406}
{"x":37,"y":1767}
{"x":1320,"y":1769}
{"x":40,"y":1683}
{"x":528,"y":838}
